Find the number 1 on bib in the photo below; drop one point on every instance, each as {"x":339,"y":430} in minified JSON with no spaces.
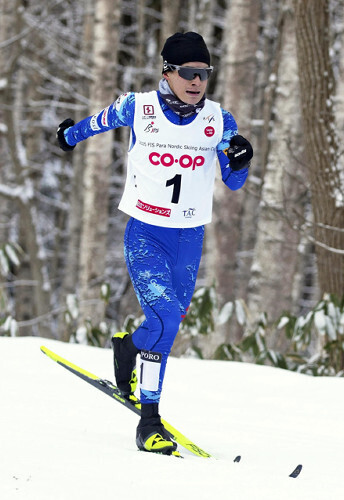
{"x":176,"y":182}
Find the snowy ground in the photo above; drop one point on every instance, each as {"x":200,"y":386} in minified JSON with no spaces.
{"x":63,"y":439}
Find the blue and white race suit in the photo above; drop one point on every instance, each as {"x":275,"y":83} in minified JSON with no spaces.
{"x":162,"y":246}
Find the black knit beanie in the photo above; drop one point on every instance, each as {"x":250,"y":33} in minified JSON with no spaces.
{"x":181,"y":48}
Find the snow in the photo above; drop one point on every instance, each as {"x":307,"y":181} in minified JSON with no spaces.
{"x":72,"y":305}
{"x":62,"y":439}
{"x":225,"y":313}
{"x":24,"y":192}
{"x":3,"y":83}
{"x":240,"y":312}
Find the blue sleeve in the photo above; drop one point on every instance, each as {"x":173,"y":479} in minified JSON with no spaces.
{"x":118,"y":114}
{"x":233,"y":180}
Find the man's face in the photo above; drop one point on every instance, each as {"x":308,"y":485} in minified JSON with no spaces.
{"x":188,"y":91}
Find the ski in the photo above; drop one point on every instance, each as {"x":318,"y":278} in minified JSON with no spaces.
{"x":132,"y":404}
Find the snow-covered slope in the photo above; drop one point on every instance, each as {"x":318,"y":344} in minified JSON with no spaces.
{"x":62,"y":439}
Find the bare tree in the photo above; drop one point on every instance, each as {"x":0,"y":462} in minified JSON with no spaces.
{"x":98,"y":157}
{"x":170,"y":18}
{"x":317,"y":87}
{"x":22,"y":149}
{"x":274,"y":268}
{"x":239,"y":65}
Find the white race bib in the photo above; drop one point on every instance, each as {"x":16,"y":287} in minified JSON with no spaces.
{"x":171,"y":168}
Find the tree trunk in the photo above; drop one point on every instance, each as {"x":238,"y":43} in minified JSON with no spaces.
{"x":170,"y":16}
{"x":72,"y":262}
{"x":274,"y":266}
{"x":225,"y":258}
{"x":98,"y":157}
{"x":317,"y":97}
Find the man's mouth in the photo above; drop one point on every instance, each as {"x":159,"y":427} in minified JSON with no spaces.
{"x":193,"y":92}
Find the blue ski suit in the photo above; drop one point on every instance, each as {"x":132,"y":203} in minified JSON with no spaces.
{"x":162,"y":261}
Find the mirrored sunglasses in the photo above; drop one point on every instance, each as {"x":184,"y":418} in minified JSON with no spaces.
{"x":189,"y":73}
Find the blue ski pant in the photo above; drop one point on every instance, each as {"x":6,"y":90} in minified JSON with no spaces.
{"x":163,"y":265}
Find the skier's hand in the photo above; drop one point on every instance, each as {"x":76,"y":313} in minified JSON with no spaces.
{"x":240,"y":153}
{"x":60,"y":134}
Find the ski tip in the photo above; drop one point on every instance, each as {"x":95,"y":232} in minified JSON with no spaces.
{"x":47,"y":351}
{"x":296,"y":471}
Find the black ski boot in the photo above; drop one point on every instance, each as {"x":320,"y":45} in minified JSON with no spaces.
{"x":124,"y":354}
{"x":151,"y":435}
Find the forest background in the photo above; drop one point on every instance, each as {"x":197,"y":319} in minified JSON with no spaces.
{"x":274,"y":254}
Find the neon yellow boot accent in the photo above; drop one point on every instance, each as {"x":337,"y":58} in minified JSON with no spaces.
{"x":121,"y":335}
{"x":133,"y":381}
{"x":156,"y":443}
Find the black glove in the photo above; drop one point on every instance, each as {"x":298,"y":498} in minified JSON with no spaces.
{"x":60,"y":134}
{"x":239,"y":153}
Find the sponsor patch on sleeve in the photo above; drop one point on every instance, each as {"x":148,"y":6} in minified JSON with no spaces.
{"x":120,"y":100}
{"x":94,"y":123}
{"x":105,"y":114}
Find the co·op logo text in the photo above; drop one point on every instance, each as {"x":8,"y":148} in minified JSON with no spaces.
{"x":167,"y":160}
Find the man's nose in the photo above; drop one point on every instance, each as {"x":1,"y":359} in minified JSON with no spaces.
{"x":196,"y":78}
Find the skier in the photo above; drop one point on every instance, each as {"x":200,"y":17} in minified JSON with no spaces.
{"x":177,"y":134}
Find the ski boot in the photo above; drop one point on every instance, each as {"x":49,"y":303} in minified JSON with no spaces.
{"x":151,"y":435}
{"x":124,"y":354}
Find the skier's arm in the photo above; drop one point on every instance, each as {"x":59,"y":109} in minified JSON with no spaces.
{"x":118,"y":114}
{"x":234,"y":173}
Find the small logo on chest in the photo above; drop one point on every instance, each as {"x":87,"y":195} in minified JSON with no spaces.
{"x":151,"y":129}
{"x":189,"y":213}
{"x":148,"y":110}
{"x":209,"y":131}
{"x":209,"y":118}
